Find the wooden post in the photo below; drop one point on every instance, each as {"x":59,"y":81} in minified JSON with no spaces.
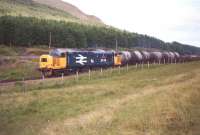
{"x":111,"y":70}
{"x":119,"y":69}
{"x":142,"y":65}
{"x":77,"y":75}
{"x":127,"y":67}
{"x":159,"y":62}
{"x":43,"y":77}
{"x":136,"y":65}
{"x":101,"y":71}
{"x":164,"y":61}
{"x":148,"y":64}
{"x":62,"y":77}
{"x":89,"y":74}
{"x":116,"y":44}
{"x":50,"y":40}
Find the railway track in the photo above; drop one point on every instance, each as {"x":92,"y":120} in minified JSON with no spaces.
{"x":9,"y":82}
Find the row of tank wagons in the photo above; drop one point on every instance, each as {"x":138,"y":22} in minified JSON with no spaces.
{"x":133,"y":57}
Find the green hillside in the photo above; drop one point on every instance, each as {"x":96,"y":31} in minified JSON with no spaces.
{"x":33,"y":9}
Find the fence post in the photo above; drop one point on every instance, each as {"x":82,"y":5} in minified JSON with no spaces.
{"x":43,"y":76}
{"x":119,"y":69}
{"x":77,"y":75}
{"x":164,"y":61}
{"x":127,"y":67}
{"x":101,"y":71}
{"x":111,"y":70}
{"x":136,"y":65}
{"x":62,"y":77}
{"x":148,"y":64}
{"x":89,"y":74}
{"x":142,"y":65}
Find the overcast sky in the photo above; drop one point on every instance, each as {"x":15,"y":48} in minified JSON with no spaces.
{"x":168,"y":20}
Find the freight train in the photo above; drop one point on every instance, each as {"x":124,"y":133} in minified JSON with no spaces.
{"x":69,"y":60}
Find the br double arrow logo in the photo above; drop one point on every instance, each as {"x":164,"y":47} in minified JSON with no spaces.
{"x":81,"y":59}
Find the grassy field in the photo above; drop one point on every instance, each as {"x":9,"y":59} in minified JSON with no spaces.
{"x":20,"y":62}
{"x":17,"y":69}
{"x":162,"y":100}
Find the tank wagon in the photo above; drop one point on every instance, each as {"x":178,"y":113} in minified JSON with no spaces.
{"x":139,"y":57}
{"x":125,"y":57}
{"x":69,"y":60}
{"x":136,"y":57}
{"x":146,"y":56}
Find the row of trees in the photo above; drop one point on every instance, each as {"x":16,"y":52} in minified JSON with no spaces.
{"x":27,"y":31}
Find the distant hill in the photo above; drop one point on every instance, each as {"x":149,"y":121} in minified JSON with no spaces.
{"x":69,"y":8}
{"x":47,"y":9}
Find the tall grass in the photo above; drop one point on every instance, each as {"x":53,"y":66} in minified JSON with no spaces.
{"x":159,"y":100}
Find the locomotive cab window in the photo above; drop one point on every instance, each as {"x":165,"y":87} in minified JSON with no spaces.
{"x":62,"y":55}
{"x":44,"y":60}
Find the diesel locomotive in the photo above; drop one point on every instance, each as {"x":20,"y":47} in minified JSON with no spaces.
{"x":69,"y":60}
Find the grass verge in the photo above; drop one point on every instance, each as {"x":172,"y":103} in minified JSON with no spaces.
{"x":159,"y":100}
